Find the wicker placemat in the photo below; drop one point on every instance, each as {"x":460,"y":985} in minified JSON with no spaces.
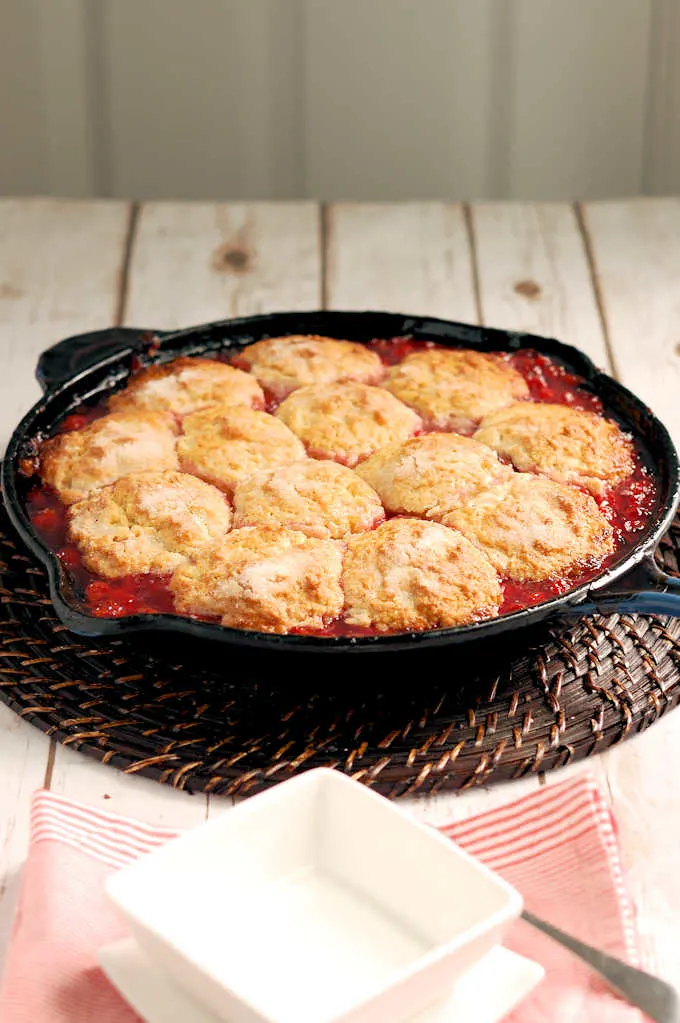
{"x":233,"y":721}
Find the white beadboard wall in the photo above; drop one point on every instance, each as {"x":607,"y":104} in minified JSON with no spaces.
{"x":340,"y":99}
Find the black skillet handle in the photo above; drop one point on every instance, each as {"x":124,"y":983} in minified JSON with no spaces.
{"x":66,"y":359}
{"x":645,"y":590}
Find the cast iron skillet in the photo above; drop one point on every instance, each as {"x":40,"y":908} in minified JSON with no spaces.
{"x":88,"y":367}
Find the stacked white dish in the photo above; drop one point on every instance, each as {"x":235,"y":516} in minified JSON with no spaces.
{"x":316,"y":902}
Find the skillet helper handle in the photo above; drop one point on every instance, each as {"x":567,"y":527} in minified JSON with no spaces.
{"x":645,"y":590}
{"x":66,"y":359}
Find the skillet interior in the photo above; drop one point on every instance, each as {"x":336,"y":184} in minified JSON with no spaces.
{"x":87,"y":368}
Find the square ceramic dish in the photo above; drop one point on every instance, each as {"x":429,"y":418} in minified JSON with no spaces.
{"x":315,"y":902}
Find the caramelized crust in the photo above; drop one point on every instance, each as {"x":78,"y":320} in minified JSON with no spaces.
{"x":147,"y":522}
{"x":452,"y":389}
{"x":433,"y":474}
{"x":114,"y":446}
{"x":346,"y":421}
{"x":533,"y":528}
{"x":186,"y":385}
{"x":413,"y":575}
{"x":319,"y":498}
{"x":282,"y":364}
{"x":263,"y":578}
{"x":226,"y":444}
{"x":564,"y":443}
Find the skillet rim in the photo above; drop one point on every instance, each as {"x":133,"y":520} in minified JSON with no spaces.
{"x":449,"y":333}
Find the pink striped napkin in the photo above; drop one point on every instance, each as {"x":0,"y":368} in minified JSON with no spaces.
{"x":557,"y":846}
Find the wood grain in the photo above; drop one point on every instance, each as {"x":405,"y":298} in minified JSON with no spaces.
{"x":78,"y":777}
{"x":59,"y":274}
{"x":534,"y":275}
{"x":413,"y":258}
{"x":541,"y":244}
{"x":60,"y":265}
{"x":636,"y":253}
{"x":188,"y":264}
{"x":636,"y":250}
{"x":192,"y":263}
{"x":405,"y":258}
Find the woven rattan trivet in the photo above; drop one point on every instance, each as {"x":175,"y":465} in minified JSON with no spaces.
{"x":210,"y":719}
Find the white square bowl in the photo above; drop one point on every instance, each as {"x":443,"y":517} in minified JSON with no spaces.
{"x":315,"y":902}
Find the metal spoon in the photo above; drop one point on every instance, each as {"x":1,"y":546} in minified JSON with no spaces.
{"x":655,"y":997}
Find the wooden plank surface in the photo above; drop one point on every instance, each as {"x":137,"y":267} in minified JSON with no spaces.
{"x":191,"y":263}
{"x":533,"y":268}
{"x":636,"y":253}
{"x":196,"y":262}
{"x":78,"y":777}
{"x":60,"y":265}
{"x":413,"y":258}
{"x":399,"y":257}
{"x":534,"y":274}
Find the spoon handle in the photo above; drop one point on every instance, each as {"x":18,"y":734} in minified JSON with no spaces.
{"x":654,"y":996}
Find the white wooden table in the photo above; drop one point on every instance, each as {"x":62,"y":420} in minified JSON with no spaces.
{"x":604,"y":277}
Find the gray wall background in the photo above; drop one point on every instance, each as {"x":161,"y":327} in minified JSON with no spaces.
{"x":340,"y":99}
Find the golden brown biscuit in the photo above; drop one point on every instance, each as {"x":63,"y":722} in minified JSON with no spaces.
{"x":147,"y":522}
{"x":453,"y":389}
{"x":186,"y":385}
{"x":269,"y":580}
{"x":114,"y":446}
{"x":412,"y":575}
{"x":346,"y":421}
{"x":282,"y":364}
{"x":227,"y":444}
{"x":533,"y":528}
{"x":567,"y":444}
{"x":319,"y":498}
{"x":433,"y":474}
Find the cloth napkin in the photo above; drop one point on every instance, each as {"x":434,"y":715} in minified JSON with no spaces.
{"x":557,"y":846}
